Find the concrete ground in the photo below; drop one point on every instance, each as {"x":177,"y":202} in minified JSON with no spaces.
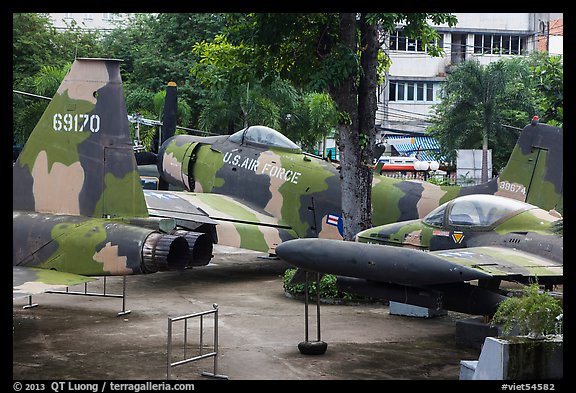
{"x":259,"y":327}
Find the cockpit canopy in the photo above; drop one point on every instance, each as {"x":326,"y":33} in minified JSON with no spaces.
{"x":262,"y":135}
{"x":480,"y":210}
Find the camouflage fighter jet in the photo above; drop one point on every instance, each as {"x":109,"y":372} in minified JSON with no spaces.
{"x":78,"y":205}
{"x":263,"y":190}
{"x":472,"y":221}
{"x":430,"y":262}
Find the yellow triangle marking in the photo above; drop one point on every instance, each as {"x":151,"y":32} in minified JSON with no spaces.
{"x":457,"y":236}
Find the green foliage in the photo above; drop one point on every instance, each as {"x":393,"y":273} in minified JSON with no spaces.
{"x":534,"y":313}
{"x":363,"y":141}
{"x":40,"y":59}
{"x":235,"y":94}
{"x":340,"y":64}
{"x":32,"y":47}
{"x":477,"y":101}
{"x":47,"y":80}
{"x":222,"y":63}
{"x":440,"y":181}
{"x":322,"y":111}
{"x":548,"y":75}
{"x":480,"y":100}
{"x":36,"y":43}
{"x":383,"y":66}
{"x":157,"y":49}
{"x":320,"y":117}
{"x":328,"y":289}
{"x":344,"y":118}
{"x":139,"y":99}
{"x":293,"y":45}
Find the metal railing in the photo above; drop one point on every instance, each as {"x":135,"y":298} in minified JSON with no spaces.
{"x":213,"y":353}
{"x":67,"y":291}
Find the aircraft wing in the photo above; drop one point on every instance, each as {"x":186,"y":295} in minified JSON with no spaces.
{"x":31,"y":281}
{"x":238,"y":224}
{"x":502,"y":262}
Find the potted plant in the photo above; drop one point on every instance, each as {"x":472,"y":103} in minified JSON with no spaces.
{"x":534,"y":350}
{"x":535,"y":314}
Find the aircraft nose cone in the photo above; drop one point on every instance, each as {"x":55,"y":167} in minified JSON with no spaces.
{"x":297,"y":252}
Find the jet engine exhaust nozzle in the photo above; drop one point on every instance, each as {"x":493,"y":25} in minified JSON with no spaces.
{"x":200,"y":246}
{"x":163,"y":252}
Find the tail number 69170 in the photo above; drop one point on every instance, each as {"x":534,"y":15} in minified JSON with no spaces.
{"x":77,"y":122}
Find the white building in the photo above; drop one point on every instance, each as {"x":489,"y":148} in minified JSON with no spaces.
{"x":86,"y":20}
{"x":413,"y":84}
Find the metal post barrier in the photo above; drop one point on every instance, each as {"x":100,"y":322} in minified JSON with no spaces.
{"x":30,"y":304}
{"x":103,"y":294}
{"x":214,"y":353}
{"x":308,"y":347}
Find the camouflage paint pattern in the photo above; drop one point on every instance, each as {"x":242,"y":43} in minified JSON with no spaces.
{"x":503,"y":262}
{"x":82,"y":135}
{"x":254,"y":185}
{"x":528,"y":229}
{"x":242,"y":226}
{"x":303,"y":192}
{"x":538,"y":154}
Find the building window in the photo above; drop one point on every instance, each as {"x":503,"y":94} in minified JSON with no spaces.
{"x":400,"y":88}
{"x":424,"y":92}
{"x":504,"y":44}
{"x":420,"y":91}
{"x":429,"y":91}
{"x":410,"y":91}
{"x":487,"y":43}
{"x":392,"y":92}
{"x":399,"y":42}
{"x":88,"y":16}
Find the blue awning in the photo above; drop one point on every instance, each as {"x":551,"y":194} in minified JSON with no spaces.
{"x":422,"y":146}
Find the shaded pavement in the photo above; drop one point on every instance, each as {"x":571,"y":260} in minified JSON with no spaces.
{"x":78,"y":337}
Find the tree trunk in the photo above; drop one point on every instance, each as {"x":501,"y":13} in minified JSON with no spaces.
{"x":345,"y":95}
{"x":367,"y":106}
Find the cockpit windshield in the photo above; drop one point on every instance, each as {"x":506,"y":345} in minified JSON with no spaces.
{"x":263,"y":135}
{"x":480,"y":210}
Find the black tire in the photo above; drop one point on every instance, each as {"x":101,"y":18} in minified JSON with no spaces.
{"x":312,"y":347}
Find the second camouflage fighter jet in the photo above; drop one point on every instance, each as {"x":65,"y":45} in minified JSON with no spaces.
{"x":432,"y":262}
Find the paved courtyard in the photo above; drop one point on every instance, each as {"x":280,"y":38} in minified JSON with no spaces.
{"x":259,"y":327}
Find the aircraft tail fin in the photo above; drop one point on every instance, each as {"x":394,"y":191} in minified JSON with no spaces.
{"x":534,"y":172}
{"x":79,"y":158}
{"x":170,"y":112}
